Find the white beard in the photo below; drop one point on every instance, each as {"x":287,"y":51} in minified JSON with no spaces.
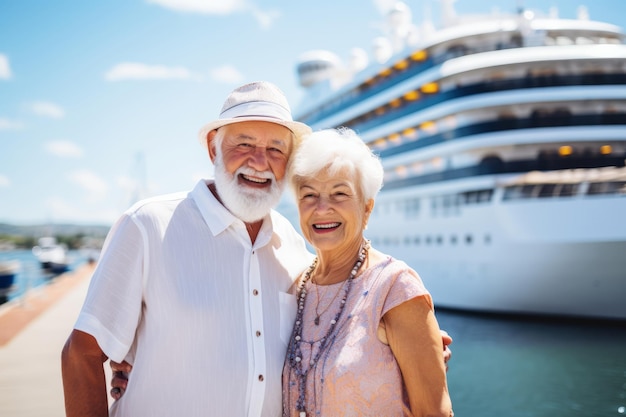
{"x":247,"y":203}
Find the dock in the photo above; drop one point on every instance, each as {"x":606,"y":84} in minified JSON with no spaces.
{"x":33,"y":330}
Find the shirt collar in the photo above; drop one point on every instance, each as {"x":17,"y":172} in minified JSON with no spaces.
{"x":218,"y":218}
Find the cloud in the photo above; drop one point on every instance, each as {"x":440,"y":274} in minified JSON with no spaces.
{"x":5,"y":69}
{"x":265,"y":18}
{"x":61,"y":210}
{"x":134,"y":189}
{"x":197,"y":176}
{"x":6,"y":124}
{"x":227,"y":74}
{"x":42,"y":108}
{"x":384,"y":6}
{"x":95,"y":186}
{"x":138,"y":71}
{"x":4,"y":181}
{"x":219,"y":7}
{"x":64,"y":148}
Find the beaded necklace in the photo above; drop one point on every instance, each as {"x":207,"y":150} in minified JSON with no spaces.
{"x":294,"y":352}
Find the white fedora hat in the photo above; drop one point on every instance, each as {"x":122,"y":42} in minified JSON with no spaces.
{"x":257,"y":101}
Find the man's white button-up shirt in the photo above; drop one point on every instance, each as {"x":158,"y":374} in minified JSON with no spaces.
{"x":201,"y":313}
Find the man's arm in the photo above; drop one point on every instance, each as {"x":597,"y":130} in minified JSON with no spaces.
{"x":84,"y":383}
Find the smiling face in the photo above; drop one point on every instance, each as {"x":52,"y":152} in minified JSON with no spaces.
{"x":250,"y":162}
{"x":332,"y":211}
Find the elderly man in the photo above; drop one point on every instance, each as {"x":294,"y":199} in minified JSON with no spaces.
{"x":191,"y":288}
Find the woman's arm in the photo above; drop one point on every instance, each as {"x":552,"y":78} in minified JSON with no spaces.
{"x":416,"y":342}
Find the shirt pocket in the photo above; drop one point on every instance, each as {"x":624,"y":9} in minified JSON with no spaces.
{"x":287,"y":315}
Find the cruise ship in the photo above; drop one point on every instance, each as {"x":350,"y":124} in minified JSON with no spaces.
{"x":503,"y":138}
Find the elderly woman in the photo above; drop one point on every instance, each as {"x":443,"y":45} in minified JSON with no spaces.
{"x":365,"y":340}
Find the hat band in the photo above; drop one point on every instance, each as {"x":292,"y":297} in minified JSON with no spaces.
{"x":257,"y":109}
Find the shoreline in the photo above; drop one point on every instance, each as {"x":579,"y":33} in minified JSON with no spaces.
{"x":17,"y":314}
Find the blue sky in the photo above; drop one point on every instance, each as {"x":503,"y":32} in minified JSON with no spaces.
{"x":101,"y":98}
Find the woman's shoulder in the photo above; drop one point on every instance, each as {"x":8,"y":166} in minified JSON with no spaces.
{"x":380,"y":259}
{"x":394,"y":269}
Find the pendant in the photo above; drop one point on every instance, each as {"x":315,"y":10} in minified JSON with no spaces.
{"x":317,"y":321}
{"x":302,"y":413}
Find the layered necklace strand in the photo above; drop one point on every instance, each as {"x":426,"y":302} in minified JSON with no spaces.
{"x":294,"y":352}
{"x":317,"y":301}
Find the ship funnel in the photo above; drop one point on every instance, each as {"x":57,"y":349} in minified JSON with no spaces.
{"x":316,"y":66}
{"x":583,"y":13}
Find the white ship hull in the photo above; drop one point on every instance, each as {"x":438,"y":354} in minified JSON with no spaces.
{"x":556,"y":257}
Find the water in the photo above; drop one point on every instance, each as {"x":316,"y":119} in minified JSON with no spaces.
{"x":530,"y":367}
{"x":31,"y":275}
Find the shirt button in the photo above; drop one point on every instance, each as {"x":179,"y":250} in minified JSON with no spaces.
{"x":258,"y":333}
{"x":261,"y":378}
{"x":255,"y":292}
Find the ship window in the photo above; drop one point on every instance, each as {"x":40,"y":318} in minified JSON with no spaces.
{"x":468,"y":239}
{"x":476,"y":197}
{"x":447,"y":202}
{"x":419,"y":55}
{"x":395,"y":103}
{"x":512,"y":192}
{"x":412,"y":207}
{"x":609,"y":187}
{"x":484,"y":196}
{"x":606,"y":149}
{"x":568,"y":190}
{"x":469,"y":197}
{"x":565,"y":150}
{"x":416,"y":240}
{"x":457,"y":50}
{"x":547,"y":190}
{"x":453,"y":239}
{"x":430,"y":88}
{"x":439,"y":240}
{"x":401,"y":65}
{"x":487,"y":239}
{"x":528,"y":191}
{"x":411,"y":95}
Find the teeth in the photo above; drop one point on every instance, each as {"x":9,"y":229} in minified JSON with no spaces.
{"x":257,"y":180}
{"x":326,"y":225}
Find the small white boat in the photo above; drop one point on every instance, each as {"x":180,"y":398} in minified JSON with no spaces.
{"x":52,"y":256}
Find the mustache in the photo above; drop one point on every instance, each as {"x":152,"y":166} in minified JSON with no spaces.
{"x":268,"y":175}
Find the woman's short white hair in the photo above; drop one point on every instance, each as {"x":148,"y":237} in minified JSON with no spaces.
{"x":333,"y":150}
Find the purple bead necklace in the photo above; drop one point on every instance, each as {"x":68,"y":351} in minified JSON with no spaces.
{"x":294,"y":352}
